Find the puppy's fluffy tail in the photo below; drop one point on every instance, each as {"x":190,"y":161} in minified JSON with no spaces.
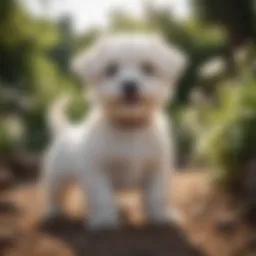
{"x":57,"y":119}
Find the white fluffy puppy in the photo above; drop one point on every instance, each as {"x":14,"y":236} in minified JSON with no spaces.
{"x":125,"y":139}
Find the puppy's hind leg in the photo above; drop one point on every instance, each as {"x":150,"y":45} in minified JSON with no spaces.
{"x":53,"y":185}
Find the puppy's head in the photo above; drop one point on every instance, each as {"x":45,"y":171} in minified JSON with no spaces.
{"x":130,"y":75}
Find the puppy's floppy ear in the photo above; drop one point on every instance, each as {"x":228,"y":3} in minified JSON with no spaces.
{"x":178,"y":63}
{"x":175,"y":61}
{"x":85,"y":64}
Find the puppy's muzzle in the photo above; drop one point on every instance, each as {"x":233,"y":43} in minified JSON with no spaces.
{"x":130,"y":92}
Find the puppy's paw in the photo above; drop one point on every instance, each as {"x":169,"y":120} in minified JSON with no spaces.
{"x":51,"y":213}
{"x":159,"y":217}
{"x":103,"y":222}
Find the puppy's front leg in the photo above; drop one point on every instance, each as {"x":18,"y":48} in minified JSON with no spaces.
{"x":155,"y":196}
{"x":102,"y":212}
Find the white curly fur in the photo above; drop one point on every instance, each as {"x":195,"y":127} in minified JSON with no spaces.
{"x":119,"y":145}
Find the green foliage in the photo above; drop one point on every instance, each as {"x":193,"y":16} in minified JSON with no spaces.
{"x":34,"y":64}
{"x":236,"y":16}
{"x":86,"y":39}
{"x":226,"y":130}
{"x":220,"y":129}
{"x":121,"y":20}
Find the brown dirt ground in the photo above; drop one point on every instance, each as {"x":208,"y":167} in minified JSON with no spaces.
{"x":209,"y":224}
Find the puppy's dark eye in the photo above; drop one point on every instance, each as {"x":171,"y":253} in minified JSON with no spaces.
{"x":111,"y":70}
{"x":148,"y":69}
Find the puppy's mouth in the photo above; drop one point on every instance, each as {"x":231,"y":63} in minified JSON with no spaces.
{"x":131,"y":99}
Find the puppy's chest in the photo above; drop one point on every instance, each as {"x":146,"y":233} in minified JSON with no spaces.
{"x":129,"y":157}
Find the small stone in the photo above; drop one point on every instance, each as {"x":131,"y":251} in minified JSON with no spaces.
{"x":227,"y":225}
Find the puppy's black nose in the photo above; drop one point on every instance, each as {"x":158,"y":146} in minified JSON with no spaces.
{"x":129,"y":88}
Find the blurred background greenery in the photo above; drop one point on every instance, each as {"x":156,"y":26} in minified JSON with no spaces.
{"x":214,"y":109}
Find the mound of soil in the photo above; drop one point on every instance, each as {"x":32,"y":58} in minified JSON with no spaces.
{"x":208,"y":223}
